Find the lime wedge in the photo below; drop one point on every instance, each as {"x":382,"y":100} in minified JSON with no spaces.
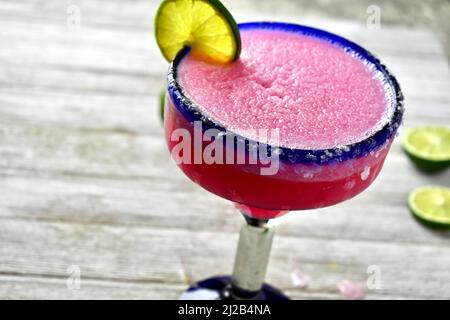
{"x":204,"y":25}
{"x":162,"y":102}
{"x":431,"y":205}
{"x":428,"y":147}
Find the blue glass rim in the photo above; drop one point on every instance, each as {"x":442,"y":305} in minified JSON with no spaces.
{"x":359,"y":149}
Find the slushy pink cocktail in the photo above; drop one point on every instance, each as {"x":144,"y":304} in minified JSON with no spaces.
{"x":328,"y":108}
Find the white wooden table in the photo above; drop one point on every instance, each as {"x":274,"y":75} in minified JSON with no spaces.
{"x":86,"y":181}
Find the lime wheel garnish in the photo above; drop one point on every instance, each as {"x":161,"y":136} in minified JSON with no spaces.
{"x":205,"y":26}
{"x":428,"y":147}
{"x":431,"y":205}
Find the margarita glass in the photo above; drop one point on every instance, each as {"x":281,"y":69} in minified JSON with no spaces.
{"x":329,"y":151}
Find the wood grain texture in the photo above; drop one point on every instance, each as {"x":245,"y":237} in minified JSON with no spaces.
{"x":86,"y":180}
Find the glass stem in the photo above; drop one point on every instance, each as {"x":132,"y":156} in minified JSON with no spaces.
{"x":252,"y":259}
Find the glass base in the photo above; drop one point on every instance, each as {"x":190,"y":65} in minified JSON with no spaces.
{"x":220,"y":288}
{"x":260,"y":214}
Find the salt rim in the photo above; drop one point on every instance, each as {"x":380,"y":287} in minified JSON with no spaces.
{"x":324,"y":156}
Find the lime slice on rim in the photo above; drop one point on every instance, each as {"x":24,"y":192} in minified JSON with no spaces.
{"x":431,"y":205}
{"x":428,"y":147}
{"x":204,"y":25}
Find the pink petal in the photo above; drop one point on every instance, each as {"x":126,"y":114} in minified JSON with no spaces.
{"x":185,"y":277}
{"x":350,"y":290}
{"x":183,"y":272}
{"x":299,"y":280}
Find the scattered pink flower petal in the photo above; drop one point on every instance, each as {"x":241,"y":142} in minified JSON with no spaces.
{"x":351,"y":291}
{"x":185,"y":276}
{"x":299,"y":280}
{"x":184,"y":273}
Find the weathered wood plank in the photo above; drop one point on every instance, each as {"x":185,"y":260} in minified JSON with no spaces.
{"x":111,"y":14}
{"x":139,"y":15}
{"x":101,"y":112}
{"x":29,"y":287}
{"x":149,"y":255}
{"x":55,"y":288}
{"x":391,"y":39}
